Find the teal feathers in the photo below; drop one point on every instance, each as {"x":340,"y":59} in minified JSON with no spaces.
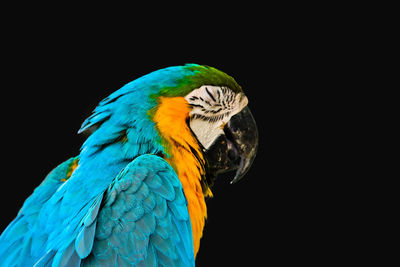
{"x":144,"y":219}
{"x":123,"y":204}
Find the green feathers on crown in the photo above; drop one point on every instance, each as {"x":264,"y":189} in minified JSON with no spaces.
{"x":197,"y":75}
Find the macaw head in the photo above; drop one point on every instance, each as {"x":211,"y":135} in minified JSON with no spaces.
{"x":191,"y":108}
{"x":206,"y":113}
{"x":223,"y":125}
{"x":225,"y":129}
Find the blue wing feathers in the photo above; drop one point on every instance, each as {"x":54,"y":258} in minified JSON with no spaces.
{"x":92,"y":215}
{"x":141,"y":219}
{"x":46,"y":260}
{"x":85,"y":238}
{"x":137,"y":225}
{"x":84,"y":241}
{"x":66,"y":256}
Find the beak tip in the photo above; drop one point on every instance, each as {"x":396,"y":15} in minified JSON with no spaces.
{"x":234,"y":180}
{"x":239,"y":175}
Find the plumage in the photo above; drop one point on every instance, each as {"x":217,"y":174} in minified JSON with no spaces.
{"x":133,"y":247}
{"x":134,"y":196}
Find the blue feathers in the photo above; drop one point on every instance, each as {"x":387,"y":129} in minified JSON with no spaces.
{"x":120,"y":205}
{"x":137,"y":224}
{"x":141,"y":219}
{"x":85,"y":238}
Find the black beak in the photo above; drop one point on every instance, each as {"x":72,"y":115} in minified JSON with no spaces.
{"x":236,"y":149}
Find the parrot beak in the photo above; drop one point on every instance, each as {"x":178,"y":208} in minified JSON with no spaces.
{"x":241,"y":130}
{"x":237,"y":148}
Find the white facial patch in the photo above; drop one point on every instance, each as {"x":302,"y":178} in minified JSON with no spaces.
{"x":213,"y":107}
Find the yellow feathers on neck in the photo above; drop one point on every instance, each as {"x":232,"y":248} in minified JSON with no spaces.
{"x":170,"y":118}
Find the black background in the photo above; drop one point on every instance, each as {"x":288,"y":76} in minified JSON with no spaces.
{"x":282,"y":211}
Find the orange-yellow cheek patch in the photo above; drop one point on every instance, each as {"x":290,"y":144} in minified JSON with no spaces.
{"x":170,"y":118}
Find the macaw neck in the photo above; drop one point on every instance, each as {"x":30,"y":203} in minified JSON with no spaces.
{"x":185,"y":157}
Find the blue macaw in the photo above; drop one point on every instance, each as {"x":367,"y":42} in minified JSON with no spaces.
{"x":135,"y":195}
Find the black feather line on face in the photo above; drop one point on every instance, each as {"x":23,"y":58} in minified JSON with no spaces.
{"x":230,"y":99}
{"x":219,"y":94}
{"x":200,"y":116}
{"x":216,"y":111}
{"x":197,"y":105}
{"x":212,"y":97}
